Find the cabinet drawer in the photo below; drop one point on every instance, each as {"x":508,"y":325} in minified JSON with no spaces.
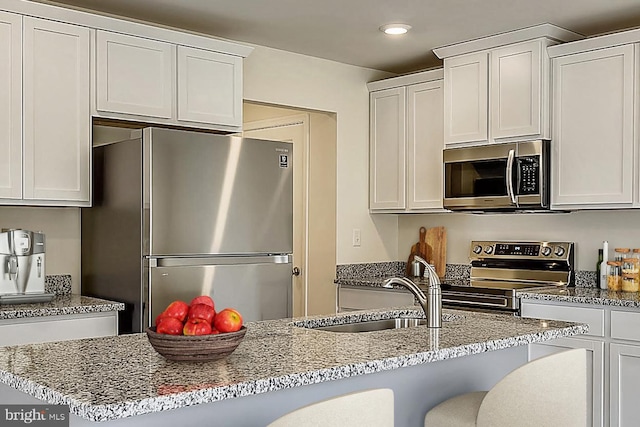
{"x":58,"y":328}
{"x":368,"y":298}
{"x":594,"y":317}
{"x":625,"y":325}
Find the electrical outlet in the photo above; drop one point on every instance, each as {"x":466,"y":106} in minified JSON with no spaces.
{"x":356,"y":237}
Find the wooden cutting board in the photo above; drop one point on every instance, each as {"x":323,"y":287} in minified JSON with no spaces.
{"x":432,"y":246}
{"x":436,"y":240}
{"x":421,"y":249}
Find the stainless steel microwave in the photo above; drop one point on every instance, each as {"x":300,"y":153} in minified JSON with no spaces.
{"x":508,"y":177}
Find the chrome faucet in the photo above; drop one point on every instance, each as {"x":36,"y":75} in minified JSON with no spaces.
{"x":431,"y":303}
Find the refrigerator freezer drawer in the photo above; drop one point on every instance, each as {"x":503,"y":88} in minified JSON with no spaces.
{"x":260,"y":291}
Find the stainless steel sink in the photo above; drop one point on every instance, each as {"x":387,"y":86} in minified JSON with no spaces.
{"x":374,"y":325}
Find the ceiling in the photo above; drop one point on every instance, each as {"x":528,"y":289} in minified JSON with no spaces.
{"x":347,"y":30}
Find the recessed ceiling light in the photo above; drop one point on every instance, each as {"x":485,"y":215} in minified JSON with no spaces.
{"x":395,"y":29}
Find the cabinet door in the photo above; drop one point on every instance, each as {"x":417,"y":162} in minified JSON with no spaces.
{"x":209,"y":87}
{"x":134,"y":75}
{"x":10,"y":106}
{"x":466,"y":87}
{"x":624,"y":380}
{"x":387,"y":149}
{"x":595,"y":364}
{"x":516,"y":83}
{"x":592,"y":150}
{"x":57,"y":120}
{"x":425,"y":129}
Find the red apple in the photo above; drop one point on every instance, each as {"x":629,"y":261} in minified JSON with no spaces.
{"x":170,"y":326}
{"x":214,"y":331}
{"x":177,"y":309}
{"x":227,"y":320}
{"x":196,"y":327}
{"x":201,"y":311}
{"x":203,"y":299}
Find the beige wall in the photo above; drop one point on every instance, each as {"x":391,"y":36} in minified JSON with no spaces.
{"x":278,"y":77}
{"x":586,"y":228}
{"x":61,"y":227}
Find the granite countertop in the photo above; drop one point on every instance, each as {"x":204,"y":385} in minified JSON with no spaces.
{"x":578,"y":295}
{"x":61,"y":304}
{"x":115,"y":377}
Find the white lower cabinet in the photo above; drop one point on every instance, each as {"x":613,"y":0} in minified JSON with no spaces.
{"x":625,"y":384}
{"x":361,"y":298}
{"x":34,"y":330}
{"x":613,"y":345}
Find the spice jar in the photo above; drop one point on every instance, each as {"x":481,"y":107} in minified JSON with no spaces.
{"x":614,"y":279}
{"x":630,"y":276}
{"x":621,"y":253}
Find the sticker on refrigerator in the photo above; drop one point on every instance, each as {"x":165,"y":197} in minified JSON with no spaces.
{"x":284,"y":160}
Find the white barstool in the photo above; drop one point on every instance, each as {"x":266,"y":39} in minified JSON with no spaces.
{"x":550,"y":391}
{"x":370,"y":408}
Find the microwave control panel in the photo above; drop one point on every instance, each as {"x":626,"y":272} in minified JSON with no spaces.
{"x":528,"y":175}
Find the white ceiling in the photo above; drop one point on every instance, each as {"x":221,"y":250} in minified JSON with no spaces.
{"x":347,"y":30}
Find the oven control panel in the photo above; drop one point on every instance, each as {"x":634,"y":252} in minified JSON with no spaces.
{"x":521,"y":250}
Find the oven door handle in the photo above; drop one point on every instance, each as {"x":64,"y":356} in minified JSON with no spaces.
{"x":479,"y":303}
{"x":509,"y":177}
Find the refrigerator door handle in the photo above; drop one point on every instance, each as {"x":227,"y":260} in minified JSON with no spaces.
{"x":225,"y":260}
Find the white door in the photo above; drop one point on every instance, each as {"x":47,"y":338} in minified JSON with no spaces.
{"x":10,"y":106}
{"x":387,"y":149}
{"x":516,"y":83}
{"x":625,"y":381}
{"x":466,"y":92}
{"x":425,"y":142}
{"x":294,"y":129}
{"x":135,"y":75}
{"x":593,"y":128}
{"x":57,"y":120}
{"x":209,"y":87}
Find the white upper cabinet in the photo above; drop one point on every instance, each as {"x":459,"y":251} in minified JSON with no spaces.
{"x":387,"y":148}
{"x":497,"y":89}
{"x":10,"y":106}
{"x":465,"y":103}
{"x":518,"y":91}
{"x":209,"y":87}
{"x":406,"y":142}
{"x":593,"y":128}
{"x":425,"y":141}
{"x":134,"y":75}
{"x":153,"y":81}
{"x":45,"y":134}
{"x":57,"y":120}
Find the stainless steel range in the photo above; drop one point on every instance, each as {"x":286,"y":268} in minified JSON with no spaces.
{"x":499,"y":269}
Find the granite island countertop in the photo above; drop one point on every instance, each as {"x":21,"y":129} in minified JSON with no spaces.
{"x":116,"y":377}
{"x":60,"y":305}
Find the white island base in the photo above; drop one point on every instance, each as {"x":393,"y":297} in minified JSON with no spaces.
{"x":416,"y":390}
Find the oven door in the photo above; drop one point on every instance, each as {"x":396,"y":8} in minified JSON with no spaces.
{"x":480,"y":177}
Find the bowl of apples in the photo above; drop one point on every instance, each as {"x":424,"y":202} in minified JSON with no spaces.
{"x":195,"y":331}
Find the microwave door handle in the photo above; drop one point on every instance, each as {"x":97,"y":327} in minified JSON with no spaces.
{"x":509,"y":177}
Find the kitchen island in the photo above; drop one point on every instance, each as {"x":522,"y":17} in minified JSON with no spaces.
{"x":280,"y":366}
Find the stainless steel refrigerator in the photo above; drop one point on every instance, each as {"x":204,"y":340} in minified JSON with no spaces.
{"x":177,"y":214}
